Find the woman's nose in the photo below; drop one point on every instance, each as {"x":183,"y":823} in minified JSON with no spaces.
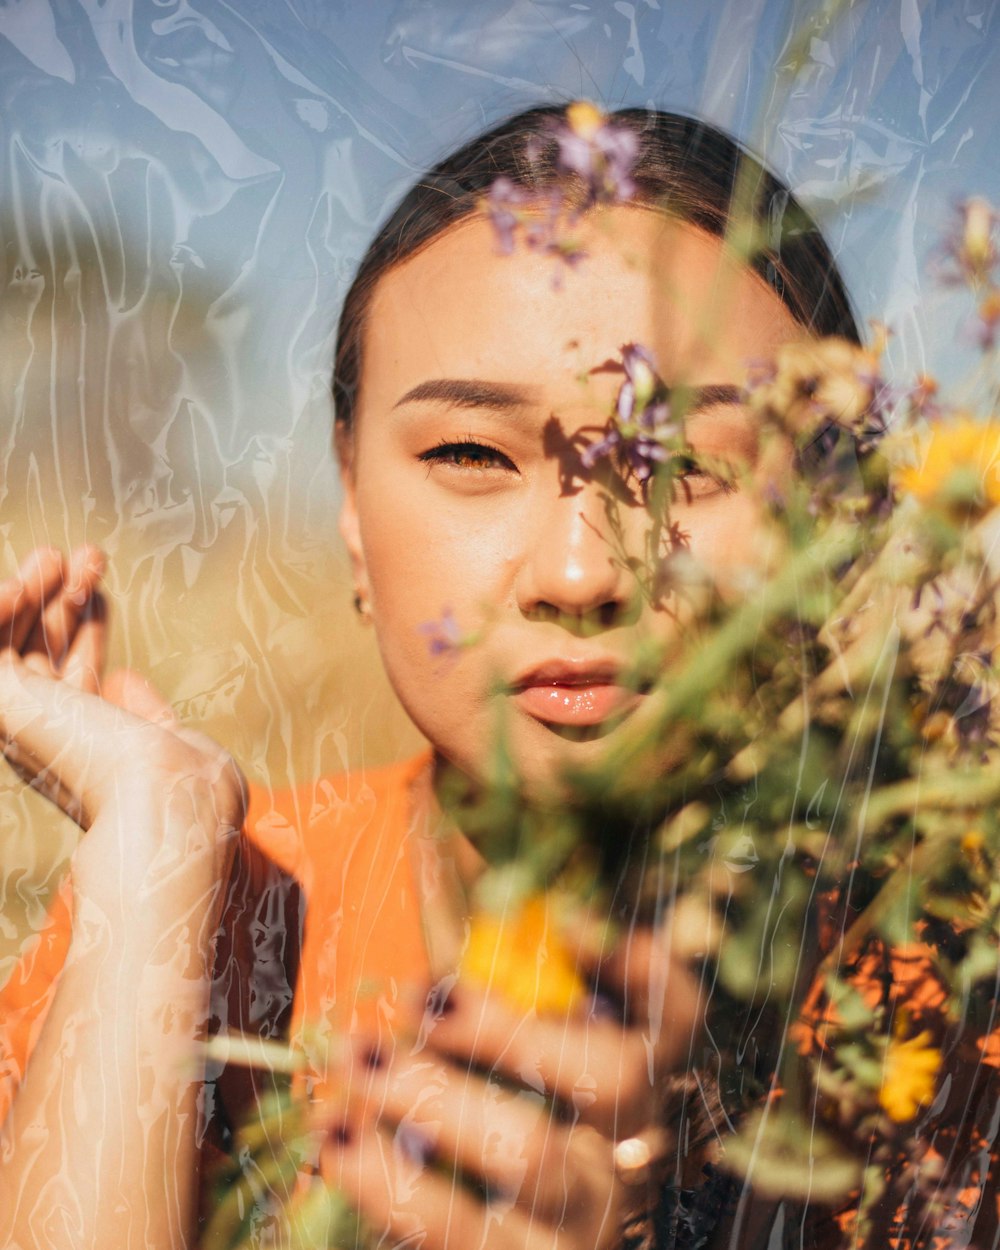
{"x":576,"y":569}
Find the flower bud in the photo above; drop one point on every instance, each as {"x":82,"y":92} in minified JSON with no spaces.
{"x":977,"y":245}
{"x":584,"y":119}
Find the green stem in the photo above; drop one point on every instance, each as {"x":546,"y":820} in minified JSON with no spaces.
{"x":716,"y":654}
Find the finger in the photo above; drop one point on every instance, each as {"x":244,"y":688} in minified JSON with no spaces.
{"x":405,"y":1202}
{"x":21,"y":596}
{"x":84,"y":661}
{"x":649,"y":972}
{"x":598,"y":1069}
{"x":69,"y":743}
{"x":506,"y":1137}
{"x":61,"y":615}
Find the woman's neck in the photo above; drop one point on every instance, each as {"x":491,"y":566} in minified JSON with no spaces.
{"x":445,"y":867}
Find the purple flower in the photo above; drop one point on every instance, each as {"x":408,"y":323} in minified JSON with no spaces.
{"x":588,"y":146}
{"x":444,"y":638}
{"x":504,"y":205}
{"x":641,"y":381}
{"x":642,"y":430}
{"x":538,"y":217}
{"x":602,"y":154}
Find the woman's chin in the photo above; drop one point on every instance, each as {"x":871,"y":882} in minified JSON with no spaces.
{"x":546,"y":756}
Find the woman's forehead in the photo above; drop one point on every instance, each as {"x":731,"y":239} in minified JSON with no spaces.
{"x":460,"y":308}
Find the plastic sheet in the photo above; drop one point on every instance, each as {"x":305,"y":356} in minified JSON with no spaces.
{"x":187,"y":188}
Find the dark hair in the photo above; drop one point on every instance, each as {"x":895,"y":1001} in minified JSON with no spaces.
{"x":687,"y":168}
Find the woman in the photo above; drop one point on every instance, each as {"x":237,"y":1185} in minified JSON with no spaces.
{"x":474,"y":370}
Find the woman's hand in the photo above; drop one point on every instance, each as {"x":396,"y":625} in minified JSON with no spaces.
{"x":51,"y":615}
{"x":102,"y":1135}
{"x":98,"y":746}
{"x":531,"y":1114}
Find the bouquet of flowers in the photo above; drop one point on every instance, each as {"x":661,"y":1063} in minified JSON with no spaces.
{"x":824,"y":835}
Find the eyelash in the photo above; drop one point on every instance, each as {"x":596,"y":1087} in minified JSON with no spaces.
{"x":447,"y":452}
{"x":691,"y":469}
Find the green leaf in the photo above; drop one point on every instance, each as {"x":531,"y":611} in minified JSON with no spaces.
{"x":851,"y":1009}
{"x":783,"y":1155}
{"x":902,"y":908}
{"x":319,"y":1219}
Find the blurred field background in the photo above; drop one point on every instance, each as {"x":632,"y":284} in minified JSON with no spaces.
{"x":185,"y":188}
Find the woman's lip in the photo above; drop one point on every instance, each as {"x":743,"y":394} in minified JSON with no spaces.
{"x":567,"y":671}
{"x":575,"y":703}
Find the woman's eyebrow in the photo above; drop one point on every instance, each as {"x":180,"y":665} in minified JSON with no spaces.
{"x":468,"y":393}
{"x":701,"y":397}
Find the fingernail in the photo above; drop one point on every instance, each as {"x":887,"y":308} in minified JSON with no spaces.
{"x":441,"y":998}
{"x":373,"y":1059}
{"x":341,"y":1134}
{"x":601,"y":1006}
{"x":414,"y":1144}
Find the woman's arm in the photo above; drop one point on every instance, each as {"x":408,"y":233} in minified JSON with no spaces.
{"x":100,"y":1146}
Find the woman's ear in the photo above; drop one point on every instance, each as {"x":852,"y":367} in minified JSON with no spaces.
{"x":350,"y":529}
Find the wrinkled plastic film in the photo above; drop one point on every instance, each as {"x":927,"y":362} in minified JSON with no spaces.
{"x":186,"y":191}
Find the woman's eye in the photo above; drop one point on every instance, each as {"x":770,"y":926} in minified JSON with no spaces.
{"x":696,"y":481}
{"x":467,"y":455}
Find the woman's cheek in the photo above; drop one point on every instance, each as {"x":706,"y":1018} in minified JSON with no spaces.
{"x":729,"y":540}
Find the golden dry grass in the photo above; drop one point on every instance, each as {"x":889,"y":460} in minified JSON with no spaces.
{"x":227,"y":584}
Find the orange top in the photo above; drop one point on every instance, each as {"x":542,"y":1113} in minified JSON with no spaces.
{"x":343,"y":840}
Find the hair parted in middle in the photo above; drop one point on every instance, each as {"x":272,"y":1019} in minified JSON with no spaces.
{"x":687,"y":169}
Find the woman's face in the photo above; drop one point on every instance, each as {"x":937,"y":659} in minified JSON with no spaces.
{"x":465,"y":494}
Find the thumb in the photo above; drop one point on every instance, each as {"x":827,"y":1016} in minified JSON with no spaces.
{"x":134,"y":693}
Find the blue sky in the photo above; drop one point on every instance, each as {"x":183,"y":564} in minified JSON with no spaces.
{"x":241,"y":153}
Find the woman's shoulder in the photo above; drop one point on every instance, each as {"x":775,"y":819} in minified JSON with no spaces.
{"x":326,"y":818}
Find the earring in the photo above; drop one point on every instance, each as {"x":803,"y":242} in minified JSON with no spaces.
{"x":361,"y":606}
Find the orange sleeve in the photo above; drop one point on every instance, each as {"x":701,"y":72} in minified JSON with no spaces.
{"x":343,"y":841}
{"x":27,"y":995}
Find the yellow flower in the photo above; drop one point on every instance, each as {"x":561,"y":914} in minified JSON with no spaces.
{"x":959,"y":467}
{"x":584,"y":119}
{"x":522,"y":955}
{"x":909,"y":1077}
{"x":972,"y":845}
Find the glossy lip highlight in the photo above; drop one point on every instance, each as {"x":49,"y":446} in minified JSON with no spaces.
{"x":574,"y":692}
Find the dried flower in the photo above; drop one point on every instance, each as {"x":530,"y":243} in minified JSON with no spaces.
{"x":522,"y":956}
{"x":816,"y":382}
{"x":642,"y":429}
{"x":958,"y":467}
{"x":978,"y":251}
{"x":922,"y":397}
{"x":909,"y":1076}
{"x":969,"y":252}
{"x":986,"y":322}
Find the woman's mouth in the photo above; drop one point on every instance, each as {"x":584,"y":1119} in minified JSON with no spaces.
{"x":567,"y":693}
